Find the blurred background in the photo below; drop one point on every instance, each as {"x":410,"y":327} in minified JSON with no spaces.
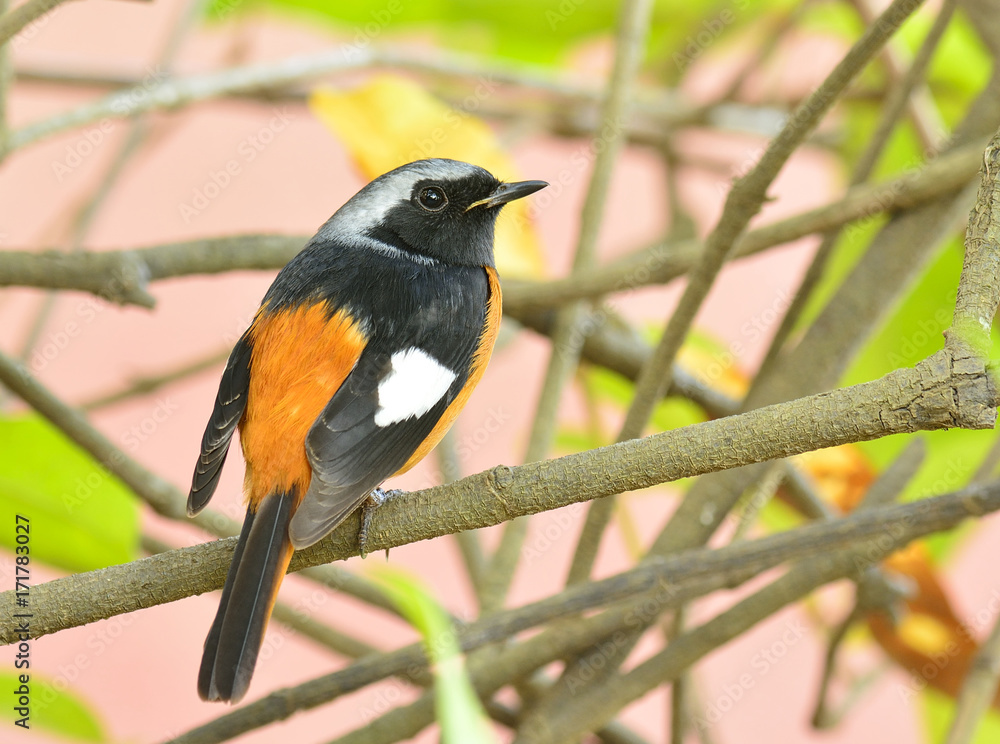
{"x":514,"y":86}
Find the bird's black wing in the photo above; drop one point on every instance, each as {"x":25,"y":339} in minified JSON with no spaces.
{"x":418,"y":360}
{"x":229,"y":406}
{"x":351,"y":454}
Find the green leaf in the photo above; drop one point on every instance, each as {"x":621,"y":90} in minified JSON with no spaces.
{"x":939,"y":711}
{"x":459,"y":712}
{"x":80,"y":516}
{"x":52,"y":710}
{"x":542,"y":32}
{"x":912,"y":332}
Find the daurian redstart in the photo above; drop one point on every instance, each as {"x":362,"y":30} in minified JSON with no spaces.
{"x":363,"y":351}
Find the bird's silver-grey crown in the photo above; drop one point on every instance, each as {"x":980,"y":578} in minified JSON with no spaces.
{"x":370,"y":206}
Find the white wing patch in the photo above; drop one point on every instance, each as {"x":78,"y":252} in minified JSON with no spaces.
{"x":415,"y":383}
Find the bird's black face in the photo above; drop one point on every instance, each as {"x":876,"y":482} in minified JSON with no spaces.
{"x":437,"y":221}
{"x":442,"y":210}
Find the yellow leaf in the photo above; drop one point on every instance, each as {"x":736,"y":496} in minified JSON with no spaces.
{"x":926,"y":634}
{"x":390,"y":121}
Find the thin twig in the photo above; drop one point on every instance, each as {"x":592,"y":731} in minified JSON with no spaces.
{"x":275,"y":75}
{"x":906,"y":400}
{"x":591,"y":704}
{"x":872,"y":586}
{"x":296,"y":620}
{"x":978,"y":690}
{"x":567,"y":340}
{"x":6,"y":77}
{"x":150,"y":384}
{"x":927,"y":122}
{"x":743,"y":202}
{"x":12,"y":21}
{"x":671,"y":582}
{"x":891,"y":111}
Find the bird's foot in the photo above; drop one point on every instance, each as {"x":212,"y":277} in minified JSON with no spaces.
{"x":375,"y":499}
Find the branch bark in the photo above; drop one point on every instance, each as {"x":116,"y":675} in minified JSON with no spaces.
{"x":122,"y":276}
{"x":942,"y":392}
{"x":661,"y":584}
{"x":14,"y":20}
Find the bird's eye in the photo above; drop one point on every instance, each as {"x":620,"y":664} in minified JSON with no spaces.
{"x":432,"y":199}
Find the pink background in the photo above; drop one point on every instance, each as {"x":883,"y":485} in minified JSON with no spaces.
{"x":138,"y":671}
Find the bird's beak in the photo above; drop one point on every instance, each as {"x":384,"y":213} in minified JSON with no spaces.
{"x":508,"y":192}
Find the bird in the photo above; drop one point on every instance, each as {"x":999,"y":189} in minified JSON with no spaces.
{"x":364,"y":349}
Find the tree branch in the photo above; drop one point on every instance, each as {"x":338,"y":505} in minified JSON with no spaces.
{"x":123,"y":276}
{"x":979,"y":287}
{"x":743,"y":202}
{"x":590,"y":704}
{"x":567,"y":341}
{"x":675,"y":580}
{"x":275,"y":75}
{"x":940,"y":392}
{"x":978,"y":690}
{"x":664,"y":262}
{"x":14,"y":20}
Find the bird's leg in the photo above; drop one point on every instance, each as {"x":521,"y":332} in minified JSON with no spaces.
{"x":375,"y":499}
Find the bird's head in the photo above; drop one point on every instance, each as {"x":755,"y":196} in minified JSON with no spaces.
{"x":433,"y":210}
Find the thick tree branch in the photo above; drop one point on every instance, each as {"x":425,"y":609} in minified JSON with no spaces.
{"x":978,"y":690}
{"x":276,"y":75}
{"x":743,"y":202}
{"x":661,"y":585}
{"x":664,"y":262}
{"x":14,"y":20}
{"x":123,"y":276}
{"x":941,"y":392}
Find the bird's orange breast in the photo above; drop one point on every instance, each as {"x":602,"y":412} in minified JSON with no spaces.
{"x":299,"y":359}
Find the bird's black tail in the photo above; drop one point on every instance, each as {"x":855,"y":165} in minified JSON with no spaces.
{"x":259,"y":563}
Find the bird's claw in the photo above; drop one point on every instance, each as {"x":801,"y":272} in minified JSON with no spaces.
{"x":375,"y":499}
